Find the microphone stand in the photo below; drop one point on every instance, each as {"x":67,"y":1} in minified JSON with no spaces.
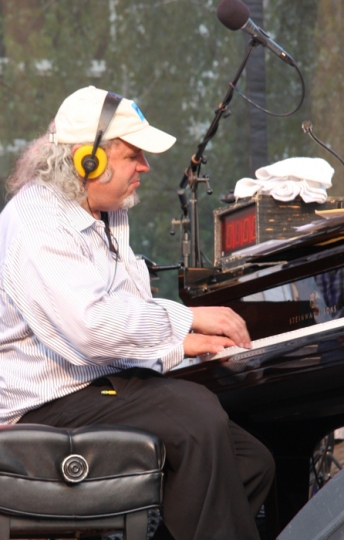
{"x":189,"y":222}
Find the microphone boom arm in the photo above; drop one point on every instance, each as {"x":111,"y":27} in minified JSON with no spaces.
{"x":191,"y":253}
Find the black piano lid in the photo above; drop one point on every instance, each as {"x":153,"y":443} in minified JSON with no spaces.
{"x":277,"y":263}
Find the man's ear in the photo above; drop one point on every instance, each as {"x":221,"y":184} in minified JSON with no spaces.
{"x":75,"y":147}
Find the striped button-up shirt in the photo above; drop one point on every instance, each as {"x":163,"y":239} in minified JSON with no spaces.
{"x":70,"y":309}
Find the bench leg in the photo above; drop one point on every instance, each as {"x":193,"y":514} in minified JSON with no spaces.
{"x":136,"y":525}
{"x":4,"y":528}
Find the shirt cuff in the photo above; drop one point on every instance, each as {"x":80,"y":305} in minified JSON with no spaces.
{"x":180,"y":317}
{"x":172,"y":359}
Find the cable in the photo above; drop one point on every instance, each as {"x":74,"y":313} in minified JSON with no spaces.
{"x":307,"y":128}
{"x":266,"y":110}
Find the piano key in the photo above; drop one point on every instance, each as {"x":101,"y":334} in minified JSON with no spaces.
{"x":279,"y":342}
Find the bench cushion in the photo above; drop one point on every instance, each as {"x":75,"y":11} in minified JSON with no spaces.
{"x":122,"y":468}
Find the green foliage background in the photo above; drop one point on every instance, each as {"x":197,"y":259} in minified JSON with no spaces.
{"x":175,"y":59}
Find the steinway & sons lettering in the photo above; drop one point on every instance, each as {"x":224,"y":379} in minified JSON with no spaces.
{"x":308,"y":316}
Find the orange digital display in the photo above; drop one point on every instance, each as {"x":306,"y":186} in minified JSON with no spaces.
{"x":238,"y":230}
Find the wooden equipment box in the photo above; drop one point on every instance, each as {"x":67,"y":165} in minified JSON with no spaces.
{"x":260,"y":218}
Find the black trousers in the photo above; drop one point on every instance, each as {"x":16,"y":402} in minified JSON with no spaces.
{"x":218,"y":475}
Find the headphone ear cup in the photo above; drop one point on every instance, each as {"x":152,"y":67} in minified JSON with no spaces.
{"x":86,"y":152}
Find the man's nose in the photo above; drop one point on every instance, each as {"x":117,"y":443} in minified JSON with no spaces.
{"x":143,"y":165}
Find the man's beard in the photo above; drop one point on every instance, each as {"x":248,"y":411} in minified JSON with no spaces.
{"x":130,"y":201}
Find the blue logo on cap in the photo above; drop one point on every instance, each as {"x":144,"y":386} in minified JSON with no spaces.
{"x":138,"y":112}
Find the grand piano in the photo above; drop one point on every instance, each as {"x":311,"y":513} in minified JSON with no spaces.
{"x":289,"y":389}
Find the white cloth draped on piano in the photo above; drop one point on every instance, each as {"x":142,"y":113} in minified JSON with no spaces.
{"x":284,"y":180}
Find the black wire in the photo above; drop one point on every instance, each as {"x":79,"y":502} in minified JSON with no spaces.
{"x":206,"y":259}
{"x":104,"y":216}
{"x":322,"y":458}
{"x":309,"y":132}
{"x":266,"y":110}
{"x":316,"y":477}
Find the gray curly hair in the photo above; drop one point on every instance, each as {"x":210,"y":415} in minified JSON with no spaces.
{"x":44,"y":162}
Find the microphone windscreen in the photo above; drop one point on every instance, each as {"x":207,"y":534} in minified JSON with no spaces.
{"x":233,"y":14}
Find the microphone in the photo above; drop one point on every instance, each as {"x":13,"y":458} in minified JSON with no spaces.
{"x":307,"y":126}
{"x":235,"y":15}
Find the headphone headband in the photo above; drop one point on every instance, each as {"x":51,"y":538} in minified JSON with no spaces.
{"x":90,"y":162}
{"x":109,"y":109}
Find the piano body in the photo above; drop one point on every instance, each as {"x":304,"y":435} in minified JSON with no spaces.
{"x":288,"y":392}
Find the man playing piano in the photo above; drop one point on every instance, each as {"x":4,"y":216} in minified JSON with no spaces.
{"x":77,"y":318}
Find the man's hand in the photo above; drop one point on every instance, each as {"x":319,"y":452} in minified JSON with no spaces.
{"x":221,"y":321}
{"x":196,"y":344}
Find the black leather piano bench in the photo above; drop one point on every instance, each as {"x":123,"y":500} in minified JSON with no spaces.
{"x":95,"y":481}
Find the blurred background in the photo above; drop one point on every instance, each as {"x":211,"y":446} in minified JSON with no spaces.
{"x":175,"y":59}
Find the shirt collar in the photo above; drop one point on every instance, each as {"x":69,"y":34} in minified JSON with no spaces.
{"x":74,"y":212}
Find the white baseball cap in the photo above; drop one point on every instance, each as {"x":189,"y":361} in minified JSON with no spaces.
{"x":77,"y":120}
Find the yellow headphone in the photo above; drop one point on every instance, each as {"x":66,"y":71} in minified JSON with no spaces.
{"x":91,"y":161}
{"x":84,"y":161}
